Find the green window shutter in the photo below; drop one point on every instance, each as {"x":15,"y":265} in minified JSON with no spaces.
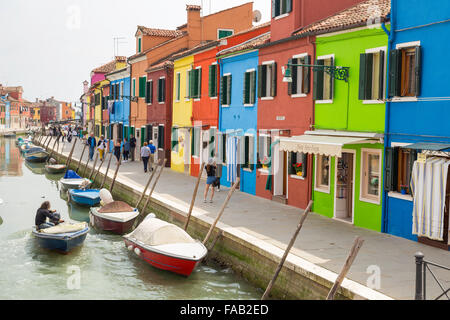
{"x":246,"y":146}
{"x":304,"y":165}
{"x":178,"y":86}
{"x":290,"y":84}
{"x":142,"y":136}
{"x":192,"y":84}
{"x":275,"y":8}
{"x":163,"y":90}
{"x":382,"y":77}
{"x":151,"y":92}
{"x":134,"y":87}
{"x":229,"y":90}
{"x":246,"y":87}
{"x":395,"y":71}
{"x":140,"y":45}
{"x":174,"y":139}
{"x":273,"y":87}
{"x":142,"y":81}
{"x":222,"y":90}
{"x":161,"y":137}
{"x":369,"y":71}
{"x":253,"y":91}
{"x":294,"y":74}
{"x":288,"y":6}
{"x":260,"y":80}
{"x":318,"y":81}
{"x":210,"y":81}
{"x":147,"y":94}
{"x":193,"y":141}
{"x":331,"y":81}
{"x":214,"y":80}
{"x":390,"y":172}
{"x":417,"y":70}
{"x":306,"y":75}
{"x":362,"y":76}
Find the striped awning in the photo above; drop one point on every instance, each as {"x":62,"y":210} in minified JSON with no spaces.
{"x":318,"y":144}
{"x":428,"y":146}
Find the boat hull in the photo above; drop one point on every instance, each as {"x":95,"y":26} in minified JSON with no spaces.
{"x":52,"y":169}
{"x":83,"y":201}
{"x":37,"y":157}
{"x":165,"y":262}
{"x":63,"y":243}
{"x":105,"y":224}
{"x":66,"y":184}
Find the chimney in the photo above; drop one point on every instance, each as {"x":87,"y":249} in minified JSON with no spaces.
{"x":194,"y":25}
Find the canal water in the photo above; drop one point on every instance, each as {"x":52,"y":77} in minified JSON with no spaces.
{"x":102,"y":268}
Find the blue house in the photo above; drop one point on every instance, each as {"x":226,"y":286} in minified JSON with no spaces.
{"x":417,"y":114}
{"x":119,"y":103}
{"x":237,"y":144}
{"x":7,"y":103}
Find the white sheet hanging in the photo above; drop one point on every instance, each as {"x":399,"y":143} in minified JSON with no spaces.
{"x":231,"y":149}
{"x":428,"y":186}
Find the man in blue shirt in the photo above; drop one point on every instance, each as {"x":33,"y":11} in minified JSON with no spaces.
{"x":92,"y":143}
{"x":152,"y":155}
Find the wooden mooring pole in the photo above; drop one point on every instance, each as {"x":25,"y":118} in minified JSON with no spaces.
{"x":115,"y":175}
{"x":53,"y":149}
{"x":50,"y":139}
{"x":86,"y":164}
{"x":283,"y":259}
{"x":194,"y":195}
{"x":357,"y":244}
{"x":146,"y":187}
{"x":69,"y":159}
{"x":81,"y":158}
{"x":98,"y":170}
{"x":230,"y":193}
{"x":154,"y":185}
{"x":106,"y":173}
{"x":93,"y":167}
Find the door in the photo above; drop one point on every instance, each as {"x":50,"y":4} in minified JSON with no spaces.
{"x":344,"y":187}
{"x":154,"y":136}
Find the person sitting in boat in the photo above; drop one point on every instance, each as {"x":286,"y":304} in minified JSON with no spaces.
{"x":43,"y":213}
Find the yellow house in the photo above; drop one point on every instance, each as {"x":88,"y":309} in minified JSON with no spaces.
{"x":181,"y":115}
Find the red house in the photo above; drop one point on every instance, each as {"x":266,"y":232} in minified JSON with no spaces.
{"x":48,"y":113}
{"x":286,"y":109}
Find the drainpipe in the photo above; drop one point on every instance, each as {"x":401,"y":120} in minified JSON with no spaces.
{"x":310,"y":164}
{"x":391,"y":17}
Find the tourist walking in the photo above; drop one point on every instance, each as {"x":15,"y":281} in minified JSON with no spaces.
{"x":218,"y":176}
{"x":210,"y":180}
{"x":69,"y":135}
{"x":132,"y":146}
{"x":152,"y":154}
{"x":145,"y":155}
{"x":101,"y":147}
{"x":126,"y":149}
{"x":117,"y":148}
{"x":92,"y":143}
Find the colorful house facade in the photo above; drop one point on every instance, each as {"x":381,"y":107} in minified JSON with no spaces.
{"x":417,"y":130}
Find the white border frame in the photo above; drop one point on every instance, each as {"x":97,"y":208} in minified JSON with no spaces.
{"x":226,"y":75}
{"x":361,"y":180}
{"x":299,"y":56}
{"x":403,"y":46}
{"x":375,"y":50}
{"x":177,"y":87}
{"x":353,"y":183}
{"x":327,"y":56}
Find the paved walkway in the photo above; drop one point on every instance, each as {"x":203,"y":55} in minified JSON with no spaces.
{"x":322,"y":241}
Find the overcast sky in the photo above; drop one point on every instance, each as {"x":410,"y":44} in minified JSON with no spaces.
{"x":50,"y":46}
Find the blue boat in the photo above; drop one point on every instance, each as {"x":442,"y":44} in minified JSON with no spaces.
{"x":63,"y":242}
{"x":88,"y":197}
{"x":36,"y":154}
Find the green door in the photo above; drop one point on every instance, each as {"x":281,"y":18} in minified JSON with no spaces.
{"x":142,"y":136}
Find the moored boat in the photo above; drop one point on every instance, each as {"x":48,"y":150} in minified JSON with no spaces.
{"x":117,"y":217}
{"x":87,"y":197}
{"x":62,"y":237}
{"x":72,"y":180}
{"x":55,"y":168}
{"x":36,"y":154}
{"x":165,"y":246}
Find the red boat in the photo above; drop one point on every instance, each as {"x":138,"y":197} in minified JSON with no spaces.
{"x":165,"y":246}
{"x":115,"y":217}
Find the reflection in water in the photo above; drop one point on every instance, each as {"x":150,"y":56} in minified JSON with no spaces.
{"x":35,"y":167}
{"x":108,"y":269}
{"x":1,"y":221}
{"x":10,"y":159}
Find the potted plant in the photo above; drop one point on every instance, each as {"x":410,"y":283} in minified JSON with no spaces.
{"x":298,"y":168}
{"x":403,"y":189}
{"x":265,"y":163}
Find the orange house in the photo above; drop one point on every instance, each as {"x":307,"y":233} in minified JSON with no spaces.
{"x":152,"y":45}
{"x":66,"y":109}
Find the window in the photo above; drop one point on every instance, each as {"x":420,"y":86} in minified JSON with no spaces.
{"x":161,"y":136}
{"x":225,"y":90}
{"x":177,"y":86}
{"x":221,"y":147}
{"x":161,"y":90}
{"x":149,"y":93}
{"x":264,"y":145}
{"x":223,"y":33}
{"x":399,"y":165}
{"x":280,"y":7}
{"x":213,"y":80}
{"x":249,"y":87}
{"x":195,"y":141}
{"x":267,"y":80}
{"x":322,"y":173}
{"x":121,"y":90}
{"x":371,"y":175}
{"x":175,"y":139}
{"x":323,"y":82}
{"x":134,"y":87}
{"x":248,"y":152}
{"x":371,"y":76}
{"x":404,"y":72}
{"x":298,"y":164}
{"x":195,"y":83}
{"x":300,"y":76}
{"x":142,"y":82}
{"x":116,"y":91}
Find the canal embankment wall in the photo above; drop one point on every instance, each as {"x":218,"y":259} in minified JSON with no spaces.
{"x":250,"y":257}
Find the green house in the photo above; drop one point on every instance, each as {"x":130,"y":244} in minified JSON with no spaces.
{"x":347,"y":140}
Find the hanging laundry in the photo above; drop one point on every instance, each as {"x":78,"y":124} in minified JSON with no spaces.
{"x":231,"y":150}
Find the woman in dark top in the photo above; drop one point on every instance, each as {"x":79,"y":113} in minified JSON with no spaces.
{"x":43,"y":213}
{"x":117,"y":149}
{"x":211,"y":172}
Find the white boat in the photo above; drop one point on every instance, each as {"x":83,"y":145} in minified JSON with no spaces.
{"x":72,"y":180}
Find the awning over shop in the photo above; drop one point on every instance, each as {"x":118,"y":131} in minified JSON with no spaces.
{"x":318,"y":144}
{"x":428,"y":146}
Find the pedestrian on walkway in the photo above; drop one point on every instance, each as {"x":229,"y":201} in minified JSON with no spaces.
{"x":101,"y":147}
{"x":132,"y":146}
{"x":145,"y":155}
{"x":152,"y":155}
{"x":69,"y":135}
{"x":218,"y":175}
{"x":117,"y":148}
{"x":91,"y":142}
{"x":126,"y":149}
{"x":210,"y":180}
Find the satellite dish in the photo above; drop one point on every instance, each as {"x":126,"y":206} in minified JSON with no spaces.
{"x":257,"y":16}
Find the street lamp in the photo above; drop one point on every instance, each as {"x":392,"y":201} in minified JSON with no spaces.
{"x":337,"y":72}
